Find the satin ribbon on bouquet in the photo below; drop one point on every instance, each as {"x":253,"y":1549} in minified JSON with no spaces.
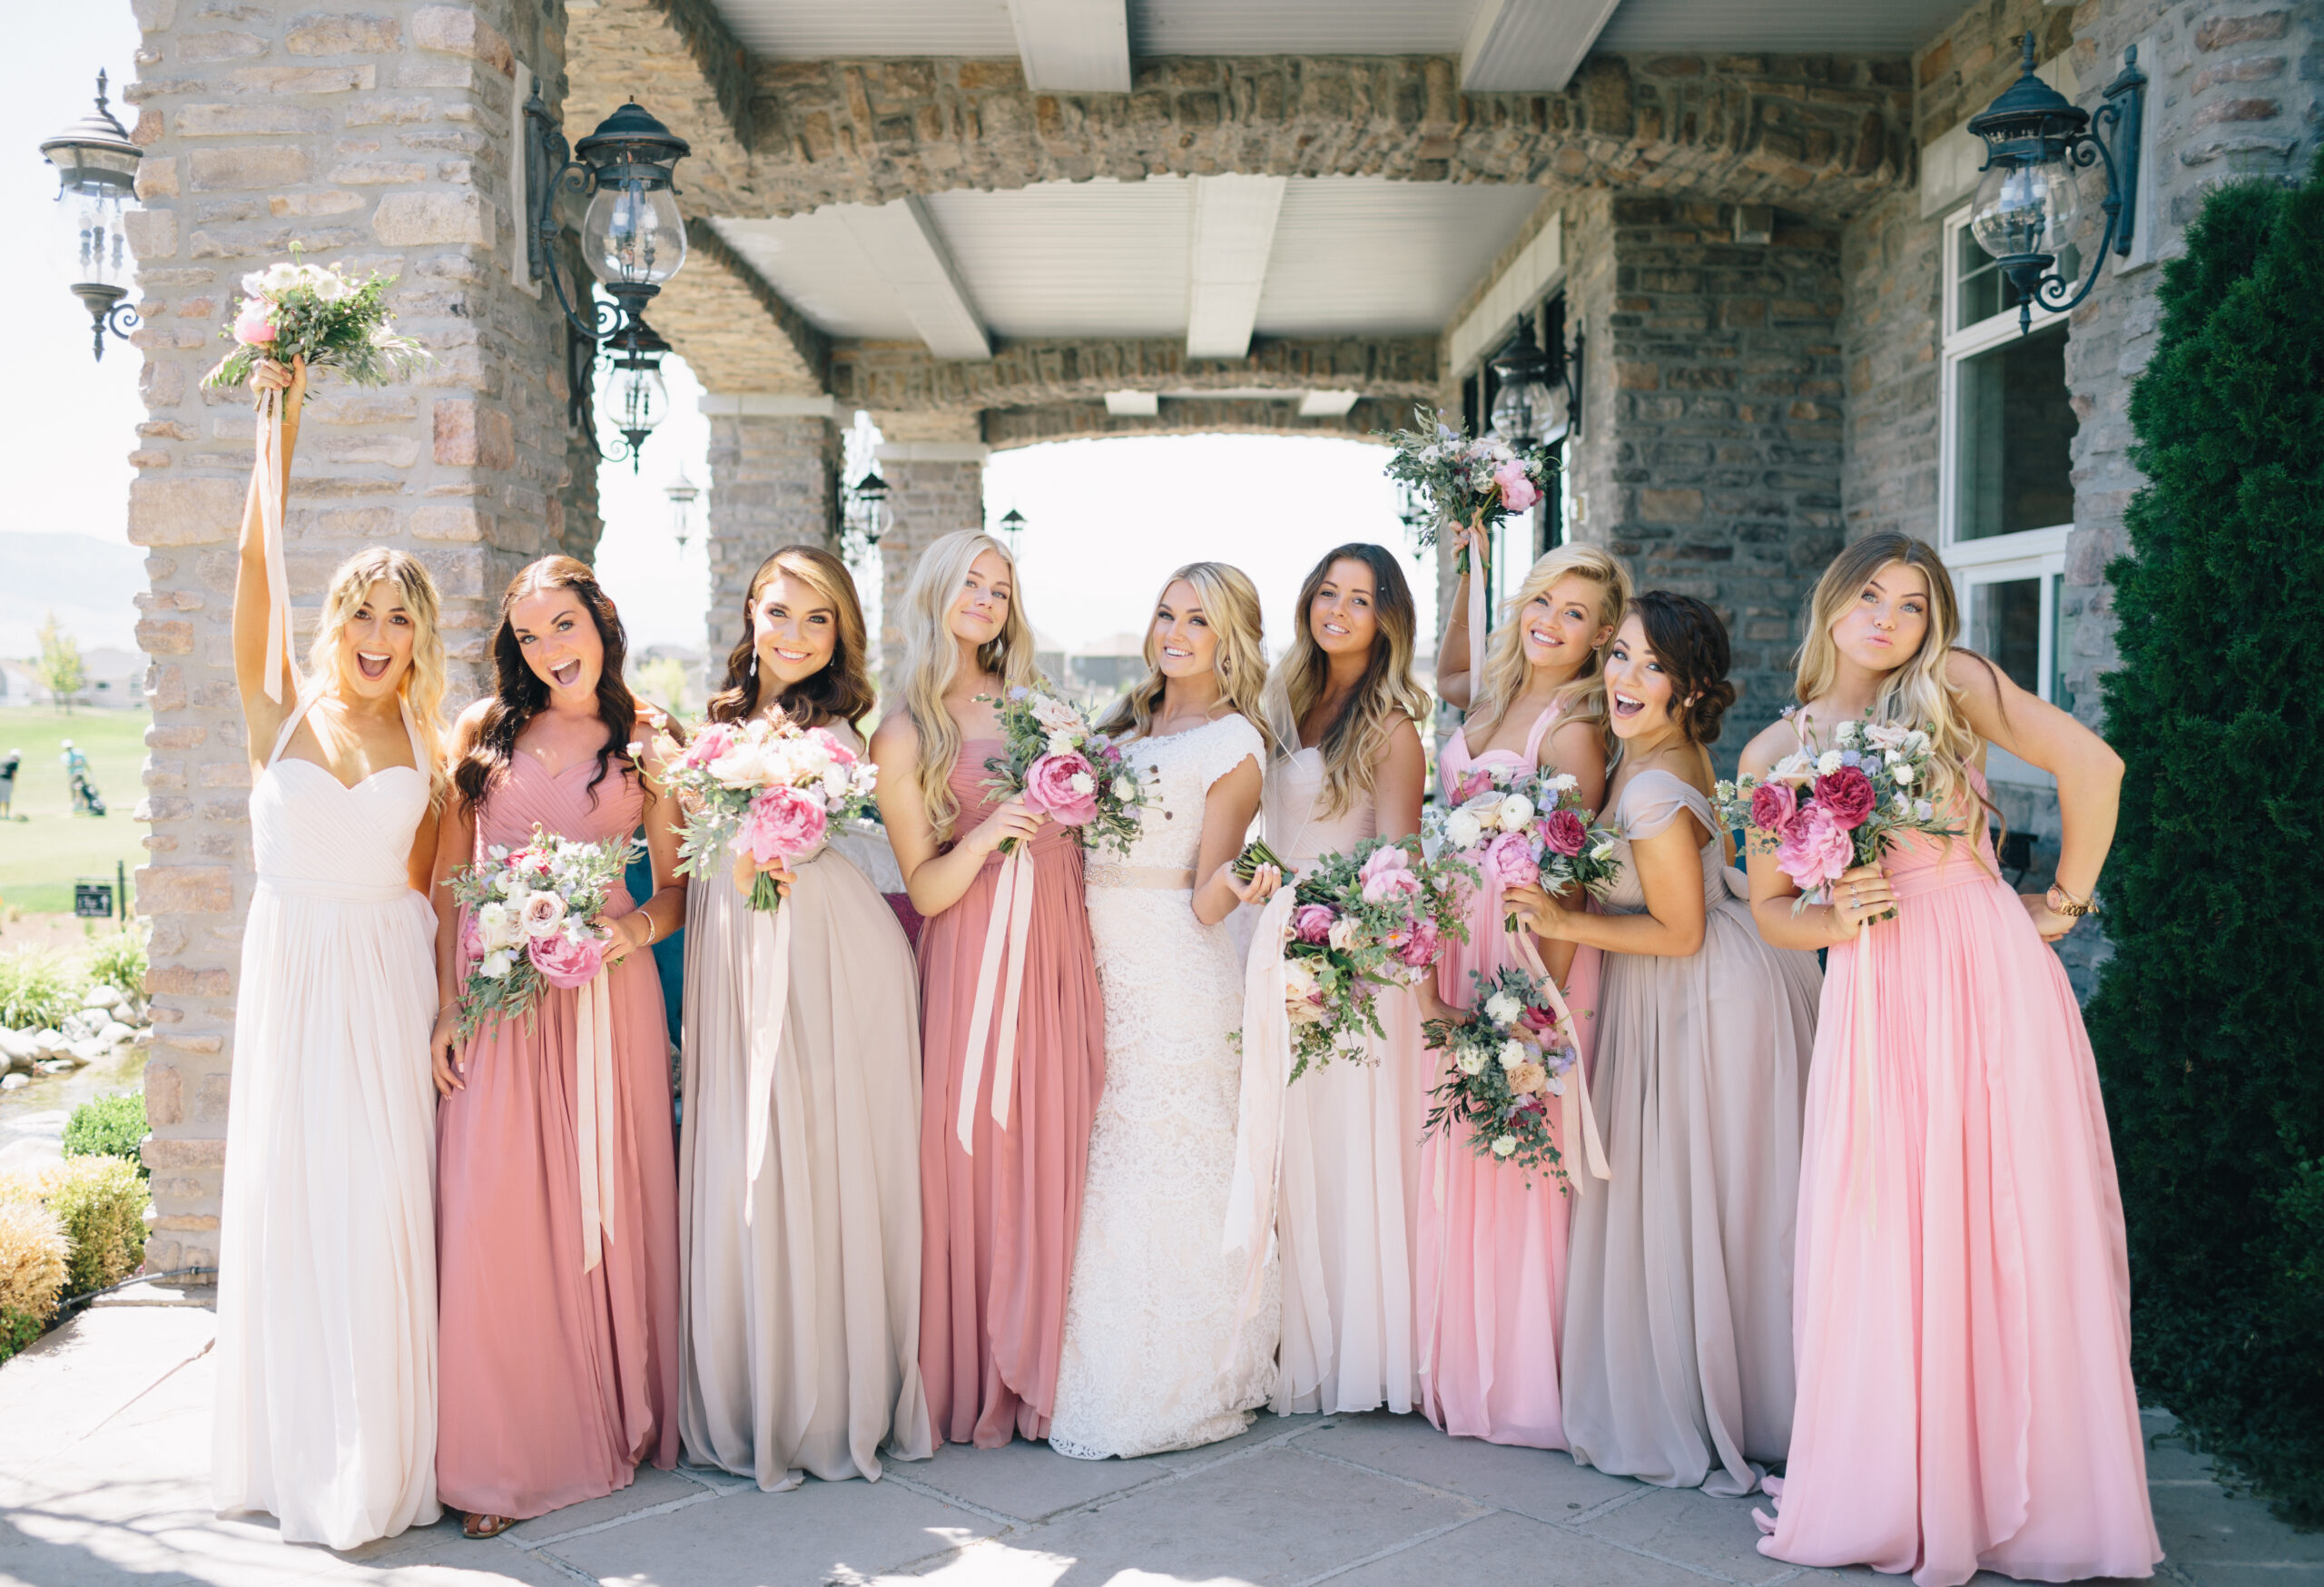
{"x":1576,"y":1115}
{"x":266,"y":484}
{"x":593,"y":1112}
{"x":1258,"y":1129}
{"x":769,"y":991}
{"x":1004,"y":962}
{"x":1868,"y":1079}
{"x":1478,"y":618}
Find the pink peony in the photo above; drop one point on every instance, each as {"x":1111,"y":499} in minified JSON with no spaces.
{"x":832,"y":745}
{"x":566,"y":963}
{"x":708,"y":745}
{"x":544,"y":911}
{"x":1847,"y":793}
{"x":1518,"y":491}
{"x":1774,"y":807}
{"x":1817,"y":849}
{"x":782,"y":823}
{"x":1065,"y":787}
{"x":255,"y":327}
{"x":1419,"y":948}
{"x":1509,"y":857}
{"x":1312,"y":923}
{"x":1387,"y":876}
{"x":1563,"y":831}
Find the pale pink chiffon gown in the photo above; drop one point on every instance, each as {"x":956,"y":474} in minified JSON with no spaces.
{"x":1963,"y":1308}
{"x":557,"y":1381}
{"x":1346,"y":1212}
{"x":1493,"y":1247}
{"x":997,"y":1226}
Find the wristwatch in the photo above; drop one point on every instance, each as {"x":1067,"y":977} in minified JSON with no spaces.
{"x":2062,"y":902}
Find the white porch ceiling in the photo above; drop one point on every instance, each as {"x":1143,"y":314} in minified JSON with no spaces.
{"x":1503,"y":44}
{"x":1347,"y":255}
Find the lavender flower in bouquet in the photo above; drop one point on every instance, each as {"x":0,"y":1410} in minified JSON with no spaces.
{"x":1508,"y":1062}
{"x":526,"y":925}
{"x":1477,"y":482}
{"x":1822,"y":812}
{"x":1066,"y":769}
{"x":307,"y":311}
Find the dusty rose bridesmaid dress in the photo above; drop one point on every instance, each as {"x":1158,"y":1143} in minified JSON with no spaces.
{"x":556,"y":1382}
{"x":998,"y":1226}
{"x":1492,"y":1263}
{"x":1963,"y":1308}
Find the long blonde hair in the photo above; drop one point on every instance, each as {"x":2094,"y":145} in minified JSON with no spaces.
{"x":1231,"y":601}
{"x":1916,"y":693}
{"x":1387,"y":696}
{"x":422,"y":683}
{"x":933,"y":659}
{"x":1581,"y":697}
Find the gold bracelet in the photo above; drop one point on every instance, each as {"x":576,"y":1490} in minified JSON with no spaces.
{"x":2077,"y":907}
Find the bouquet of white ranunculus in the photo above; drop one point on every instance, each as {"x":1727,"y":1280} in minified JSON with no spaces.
{"x":770,"y":789}
{"x":1507,"y":1063}
{"x":527,"y":921}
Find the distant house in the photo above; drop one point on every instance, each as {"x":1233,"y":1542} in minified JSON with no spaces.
{"x":111,"y":680}
{"x":1109,"y":666}
{"x":19,"y":685}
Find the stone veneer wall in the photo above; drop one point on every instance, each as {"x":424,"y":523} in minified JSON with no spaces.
{"x":1711,"y":451}
{"x":934,"y":488}
{"x":379,"y":137}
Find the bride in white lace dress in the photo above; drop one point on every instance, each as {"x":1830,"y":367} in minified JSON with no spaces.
{"x":1159,"y":1351}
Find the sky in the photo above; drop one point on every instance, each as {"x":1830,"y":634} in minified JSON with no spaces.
{"x":1106,"y":520}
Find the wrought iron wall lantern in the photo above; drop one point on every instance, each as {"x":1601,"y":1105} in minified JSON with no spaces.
{"x":2029,"y":199}
{"x":97,"y":171}
{"x":682,"y":492}
{"x":1525,"y":405}
{"x":640,"y":399}
{"x":867,"y":508}
{"x":1013,"y":524}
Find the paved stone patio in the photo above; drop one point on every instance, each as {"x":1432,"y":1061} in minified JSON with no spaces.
{"x":104,"y":1433}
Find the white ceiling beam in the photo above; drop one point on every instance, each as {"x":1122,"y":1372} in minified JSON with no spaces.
{"x":1328,"y":404}
{"x":904,"y":245}
{"x":1073,"y":46}
{"x":1519,"y":46}
{"x":1233,"y":233}
{"x":1133,"y":404}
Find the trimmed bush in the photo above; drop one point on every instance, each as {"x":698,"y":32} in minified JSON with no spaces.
{"x":17,"y":1330}
{"x":118,"y":962}
{"x":101,"y":1201}
{"x":36,"y":990}
{"x":109,"y":1127}
{"x":2206,"y":1020}
{"x":35,"y":1260}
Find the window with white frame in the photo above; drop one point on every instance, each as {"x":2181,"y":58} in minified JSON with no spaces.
{"x":2005,"y":473}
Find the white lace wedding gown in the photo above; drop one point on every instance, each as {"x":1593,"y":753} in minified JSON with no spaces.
{"x":1153,"y":1357}
{"x":326,"y":1406}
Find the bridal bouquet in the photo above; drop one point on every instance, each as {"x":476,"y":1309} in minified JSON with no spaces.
{"x":294,"y":309}
{"x":1525,"y":828}
{"x":1376,"y":917}
{"x":1475,"y":482}
{"x":527,"y":921}
{"x":1825,"y":811}
{"x":770,"y":789}
{"x":1066,"y":769}
{"x":1507,"y":1063}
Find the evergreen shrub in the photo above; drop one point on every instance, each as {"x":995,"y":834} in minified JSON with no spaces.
{"x":2209,"y":1019}
{"x":111,"y":1127}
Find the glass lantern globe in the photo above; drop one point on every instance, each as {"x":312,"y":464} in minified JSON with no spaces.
{"x":633,"y":234}
{"x":2025,"y":209}
{"x":96,"y":171}
{"x":639,"y":396}
{"x":1520,"y":410}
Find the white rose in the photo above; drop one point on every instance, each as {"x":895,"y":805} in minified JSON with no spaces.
{"x":1504,"y":1146}
{"x":1515,"y":810}
{"x":1463,"y":830}
{"x":1342,"y":935}
{"x":743,"y":766}
{"x":1470,"y":1060}
{"x":1828,"y":763}
{"x":1514,"y":1053}
{"x":497,"y":966}
{"x":1902,"y":771}
{"x":496,"y":924}
{"x":1502,"y":1009}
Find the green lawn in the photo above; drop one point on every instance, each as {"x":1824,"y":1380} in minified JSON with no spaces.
{"x":45,"y":848}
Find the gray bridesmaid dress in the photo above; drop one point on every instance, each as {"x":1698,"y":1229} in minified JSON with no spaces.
{"x":1677,"y":1361}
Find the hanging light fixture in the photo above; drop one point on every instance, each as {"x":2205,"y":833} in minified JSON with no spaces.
{"x":632,"y":236}
{"x":682,"y":492}
{"x":640,"y":399}
{"x":2029,"y":192}
{"x":96,"y":172}
{"x":1012,"y":523}
{"x":867,"y":508}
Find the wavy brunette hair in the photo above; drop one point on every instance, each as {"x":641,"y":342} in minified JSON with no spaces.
{"x":842,"y":691}
{"x":1690,"y":641}
{"x":1581,"y":697}
{"x":1386,"y":695}
{"x":422,"y":683}
{"x":519,"y":694}
{"x":932,"y":658}
{"x":1231,"y":601}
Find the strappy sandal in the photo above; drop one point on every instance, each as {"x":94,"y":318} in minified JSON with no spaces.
{"x":484,"y":1526}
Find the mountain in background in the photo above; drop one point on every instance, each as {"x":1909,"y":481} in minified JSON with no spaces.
{"x":91,"y":584}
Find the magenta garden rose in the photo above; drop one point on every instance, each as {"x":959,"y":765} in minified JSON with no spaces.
{"x":1773,"y":806}
{"x":1848,"y":793}
{"x":1564,"y":832}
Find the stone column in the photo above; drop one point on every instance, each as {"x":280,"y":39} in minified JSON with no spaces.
{"x":933,"y":488}
{"x":774,"y":463}
{"x":380,"y":139}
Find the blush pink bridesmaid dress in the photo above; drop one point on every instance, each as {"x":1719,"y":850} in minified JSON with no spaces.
{"x":998,"y":1226}
{"x":557,"y":1382}
{"x":1963,"y":1308}
{"x":1491,"y":1250}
